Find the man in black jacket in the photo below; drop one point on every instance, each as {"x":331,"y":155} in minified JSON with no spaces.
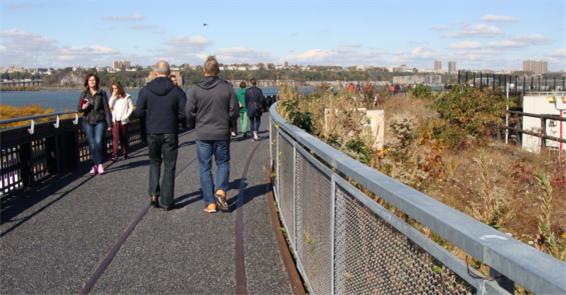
{"x":211,"y":105}
{"x":163,"y":104}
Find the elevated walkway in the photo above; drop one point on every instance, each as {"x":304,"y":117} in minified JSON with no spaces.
{"x":57,"y":237}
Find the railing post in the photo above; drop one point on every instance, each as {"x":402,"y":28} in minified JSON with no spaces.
{"x":26,"y":164}
{"x":332,"y":230}
{"x":295,"y":235}
{"x":503,"y":281}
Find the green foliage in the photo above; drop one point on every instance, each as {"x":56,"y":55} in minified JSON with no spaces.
{"x":421,"y":91}
{"x":303,"y":120}
{"x":468,"y":116}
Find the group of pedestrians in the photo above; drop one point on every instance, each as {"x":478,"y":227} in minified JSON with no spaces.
{"x":210,"y":107}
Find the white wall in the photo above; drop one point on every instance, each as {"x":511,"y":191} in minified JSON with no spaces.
{"x":539,"y":105}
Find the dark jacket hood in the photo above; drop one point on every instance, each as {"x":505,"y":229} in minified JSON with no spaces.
{"x":160,"y":86}
{"x":209,"y":82}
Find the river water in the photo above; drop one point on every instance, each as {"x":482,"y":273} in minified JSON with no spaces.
{"x":69,"y":100}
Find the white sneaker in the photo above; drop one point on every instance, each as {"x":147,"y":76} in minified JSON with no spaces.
{"x":233,"y":134}
{"x":256,"y":138}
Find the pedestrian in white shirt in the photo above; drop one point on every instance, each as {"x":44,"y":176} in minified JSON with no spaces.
{"x":122,"y":107}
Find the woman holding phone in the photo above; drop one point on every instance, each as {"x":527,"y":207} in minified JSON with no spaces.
{"x":96,"y":119}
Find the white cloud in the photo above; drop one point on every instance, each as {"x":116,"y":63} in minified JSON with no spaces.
{"x":341,"y":56}
{"x":124,"y":18}
{"x":533,"y":39}
{"x":507,"y":44}
{"x":19,"y":6}
{"x":465,"y":45}
{"x":499,"y":19}
{"x":32,"y":50}
{"x":113,"y":17}
{"x":438,"y":28}
{"x":477,"y":31}
{"x":187,"y":44}
{"x":560,"y":53}
{"x":240,"y":54}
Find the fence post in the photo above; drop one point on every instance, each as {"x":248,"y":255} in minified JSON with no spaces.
{"x":503,"y":281}
{"x":26,"y":164}
{"x":543,"y":127}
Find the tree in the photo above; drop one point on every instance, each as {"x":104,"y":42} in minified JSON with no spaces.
{"x":270,"y":66}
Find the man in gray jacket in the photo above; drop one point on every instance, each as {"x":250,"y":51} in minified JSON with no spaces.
{"x":211,"y":105}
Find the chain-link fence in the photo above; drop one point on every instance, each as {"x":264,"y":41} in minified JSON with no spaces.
{"x":346,"y":243}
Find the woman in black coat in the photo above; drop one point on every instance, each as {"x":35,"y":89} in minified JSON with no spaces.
{"x":96,"y":119}
{"x":254,"y":103}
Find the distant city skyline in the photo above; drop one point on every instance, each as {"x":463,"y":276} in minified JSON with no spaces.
{"x":478,"y":35}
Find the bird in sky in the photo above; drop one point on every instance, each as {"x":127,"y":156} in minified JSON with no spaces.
{"x":205,"y":24}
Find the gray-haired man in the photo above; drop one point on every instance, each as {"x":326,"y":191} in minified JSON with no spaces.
{"x":163,"y":104}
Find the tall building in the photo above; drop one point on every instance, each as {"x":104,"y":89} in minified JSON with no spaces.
{"x":124,"y":64}
{"x":437,"y":65}
{"x":452,"y":66}
{"x":538,"y":67}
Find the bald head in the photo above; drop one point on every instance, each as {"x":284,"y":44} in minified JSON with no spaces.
{"x":162,"y":69}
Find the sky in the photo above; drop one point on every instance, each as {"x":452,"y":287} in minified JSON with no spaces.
{"x":478,"y":35}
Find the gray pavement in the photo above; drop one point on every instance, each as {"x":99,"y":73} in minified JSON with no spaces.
{"x":53,"y":237}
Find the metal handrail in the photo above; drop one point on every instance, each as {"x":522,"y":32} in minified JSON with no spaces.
{"x":35,"y":117}
{"x":521,"y":263}
{"x":31,"y":129}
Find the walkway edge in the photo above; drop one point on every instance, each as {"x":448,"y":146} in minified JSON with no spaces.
{"x":295,"y":281}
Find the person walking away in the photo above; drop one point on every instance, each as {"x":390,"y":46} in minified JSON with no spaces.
{"x":174,"y":80}
{"x":253,"y":98}
{"x":93,"y":104}
{"x":163,"y":103}
{"x":122,"y":107}
{"x":211,"y":105}
{"x":241,"y":93}
{"x":233,"y":123}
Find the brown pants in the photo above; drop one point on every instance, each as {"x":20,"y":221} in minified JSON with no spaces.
{"x":120,"y":131}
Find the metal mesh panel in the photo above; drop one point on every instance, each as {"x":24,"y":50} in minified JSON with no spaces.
{"x":11,"y":175}
{"x":372,"y":257}
{"x":314,"y":209}
{"x":285,"y":195}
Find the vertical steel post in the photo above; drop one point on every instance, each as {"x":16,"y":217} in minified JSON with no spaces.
{"x":503,"y":281}
{"x":295,"y":236}
{"x":543,"y":127}
{"x":332,"y":229}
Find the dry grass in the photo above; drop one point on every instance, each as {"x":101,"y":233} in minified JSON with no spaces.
{"x":496,"y":184}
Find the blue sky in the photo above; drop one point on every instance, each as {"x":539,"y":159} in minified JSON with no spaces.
{"x":495,"y":35}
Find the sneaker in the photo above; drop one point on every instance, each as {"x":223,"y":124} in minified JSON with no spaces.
{"x":125,"y":156}
{"x":211,"y":208}
{"x":256,"y":138}
{"x":220,"y":197}
{"x":244,"y":134}
{"x":233,"y":134}
{"x":100,"y":169}
{"x":114,"y":159}
{"x":93,"y":170}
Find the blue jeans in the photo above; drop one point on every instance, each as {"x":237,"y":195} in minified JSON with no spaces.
{"x":166,"y":145}
{"x":254,"y":123}
{"x":95,"y":135}
{"x":221,"y":151}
